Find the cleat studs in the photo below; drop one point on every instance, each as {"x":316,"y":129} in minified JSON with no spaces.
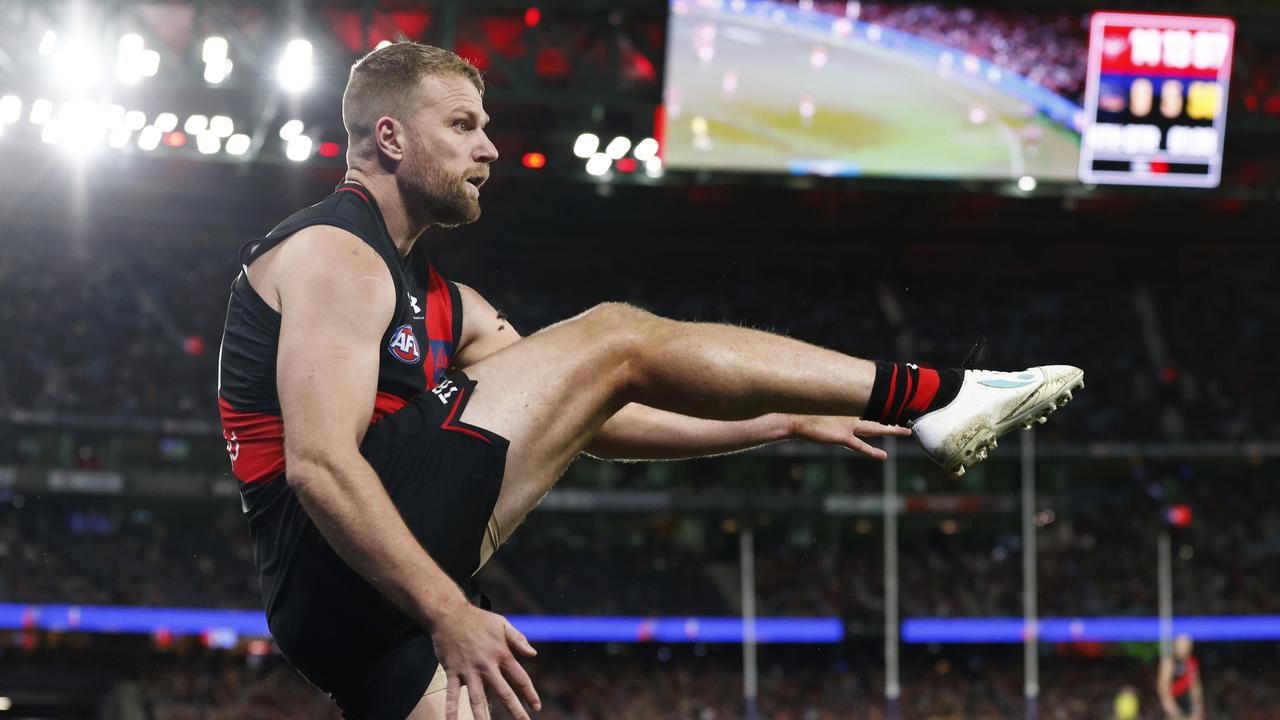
{"x":982,"y":454}
{"x":958,"y":471}
{"x":995,"y":443}
{"x":1042,"y":419}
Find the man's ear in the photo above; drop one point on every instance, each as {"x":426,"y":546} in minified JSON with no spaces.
{"x":388,"y":137}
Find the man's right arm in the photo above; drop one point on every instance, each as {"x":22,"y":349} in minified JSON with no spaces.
{"x":1164,"y":689}
{"x":336,"y":298}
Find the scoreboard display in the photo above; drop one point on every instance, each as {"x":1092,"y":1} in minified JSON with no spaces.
{"x":1155,"y":99}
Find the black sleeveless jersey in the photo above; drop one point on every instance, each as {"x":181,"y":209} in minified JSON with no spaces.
{"x":1185,"y":673}
{"x":416,"y":348}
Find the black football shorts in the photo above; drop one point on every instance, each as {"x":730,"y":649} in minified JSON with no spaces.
{"x":336,"y":629}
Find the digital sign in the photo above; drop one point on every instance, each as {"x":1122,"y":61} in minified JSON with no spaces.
{"x":1155,"y":99}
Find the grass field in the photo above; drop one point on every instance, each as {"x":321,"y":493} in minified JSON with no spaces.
{"x":875,"y":111}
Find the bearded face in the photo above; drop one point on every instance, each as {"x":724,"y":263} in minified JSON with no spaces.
{"x":433,"y":192}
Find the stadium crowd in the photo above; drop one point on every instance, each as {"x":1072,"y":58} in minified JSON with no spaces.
{"x":1048,"y":48}
{"x":1152,"y":374}
{"x":197,"y":553}
{"x":645,"y":682}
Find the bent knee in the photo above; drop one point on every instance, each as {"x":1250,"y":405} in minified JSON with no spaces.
{"x":620,"y":323}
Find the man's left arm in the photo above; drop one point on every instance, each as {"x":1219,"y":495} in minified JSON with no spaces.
{"x":639,"y":432}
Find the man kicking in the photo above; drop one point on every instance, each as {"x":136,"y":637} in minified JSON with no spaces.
{"x":390,"y":429}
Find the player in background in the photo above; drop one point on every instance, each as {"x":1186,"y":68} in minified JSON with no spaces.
{"x":1179,"y":683}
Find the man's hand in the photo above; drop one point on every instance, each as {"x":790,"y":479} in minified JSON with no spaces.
{"x":475,"y":647}
{"x":846,"y":431}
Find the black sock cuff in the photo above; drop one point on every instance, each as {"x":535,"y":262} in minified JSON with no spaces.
{"x":880,"y":392}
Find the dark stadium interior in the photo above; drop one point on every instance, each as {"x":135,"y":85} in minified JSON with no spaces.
{"x":113,"y":292}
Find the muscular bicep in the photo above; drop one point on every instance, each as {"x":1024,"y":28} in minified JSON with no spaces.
{"x":336,"y":299}
{"x":485,"y":331}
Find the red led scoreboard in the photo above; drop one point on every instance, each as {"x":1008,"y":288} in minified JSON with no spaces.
{"x":1155,"y":99}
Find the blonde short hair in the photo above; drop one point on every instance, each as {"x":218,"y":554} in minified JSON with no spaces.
{"x":384,"y":80}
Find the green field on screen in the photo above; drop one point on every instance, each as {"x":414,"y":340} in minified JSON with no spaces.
{"x":875,"y":111}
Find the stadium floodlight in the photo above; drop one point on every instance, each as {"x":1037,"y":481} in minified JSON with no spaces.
{"x":1027,"y":184}
{"x":238,"y":144}
{"x":214,"y":50}
{"x":51,"y":132}
{"x":298,"y":149}
{"x":131,"y":44}
{"x":646,"y":149}
{"x":48,"y":43}
{"x":135,"y":120}
{"x":113,"y":115}
{"x":216,"y":72}
{"x":41,"y":111}
{"x":217,"y":66}
{"x":80,"y":126}
{"x":617,"y":148}
{"x":195,"y":124}
{"x":76,"y":65}
{"x":6,"y":703}
{"x":129,"y":58}
{"x":599,"y":164}
{"x":166,"y":122}
{"x":149,"y":138}
{"x":10,"y":108}
{"x":586,"y":145}
{"x":294,"y":71}
{"x":149,"y":63}
{"x":119,"y":137}
{"x":291,"y":130}
{"x":653,"y":167}
{"x":208,"y":143}
{"x":221,"y":126}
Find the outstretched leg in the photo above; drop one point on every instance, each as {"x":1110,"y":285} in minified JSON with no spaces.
{"x":549,"y":393}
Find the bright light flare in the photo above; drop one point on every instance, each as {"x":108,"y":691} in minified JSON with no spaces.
{"x":134,"y":61}
{"x":149,"y":138}
{"x":221,"y":126}
{"x":238,"y":144}
{"x":48,"y":43}
{"x":195,"y":124}
{"x":10,"y":108}
{"x":291,"y":130}
{"x":586,"y":145}
{"x":298,"y":149}
{"x":119,"y":137}
{"x":41,"y":111}
{"x":646,"y":149}
{"x":599,"y":164}
{"x":208,"y":143}
{"x":76,"y":65}
{"x":217,"y":65}
{"x":166,"y":122}
{"x":295,"y":71}
{"x":213,"y":50}
{"x":617,"y":147}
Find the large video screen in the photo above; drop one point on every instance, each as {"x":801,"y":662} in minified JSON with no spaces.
{"x":904,"y":89}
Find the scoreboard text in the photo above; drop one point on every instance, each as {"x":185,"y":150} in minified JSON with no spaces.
{"x":1155,"y":99}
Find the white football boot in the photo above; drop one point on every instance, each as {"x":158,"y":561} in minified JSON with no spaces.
{"x":990,"y":404}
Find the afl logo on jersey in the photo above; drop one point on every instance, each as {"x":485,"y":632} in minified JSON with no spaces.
{"x":404,"y":346}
